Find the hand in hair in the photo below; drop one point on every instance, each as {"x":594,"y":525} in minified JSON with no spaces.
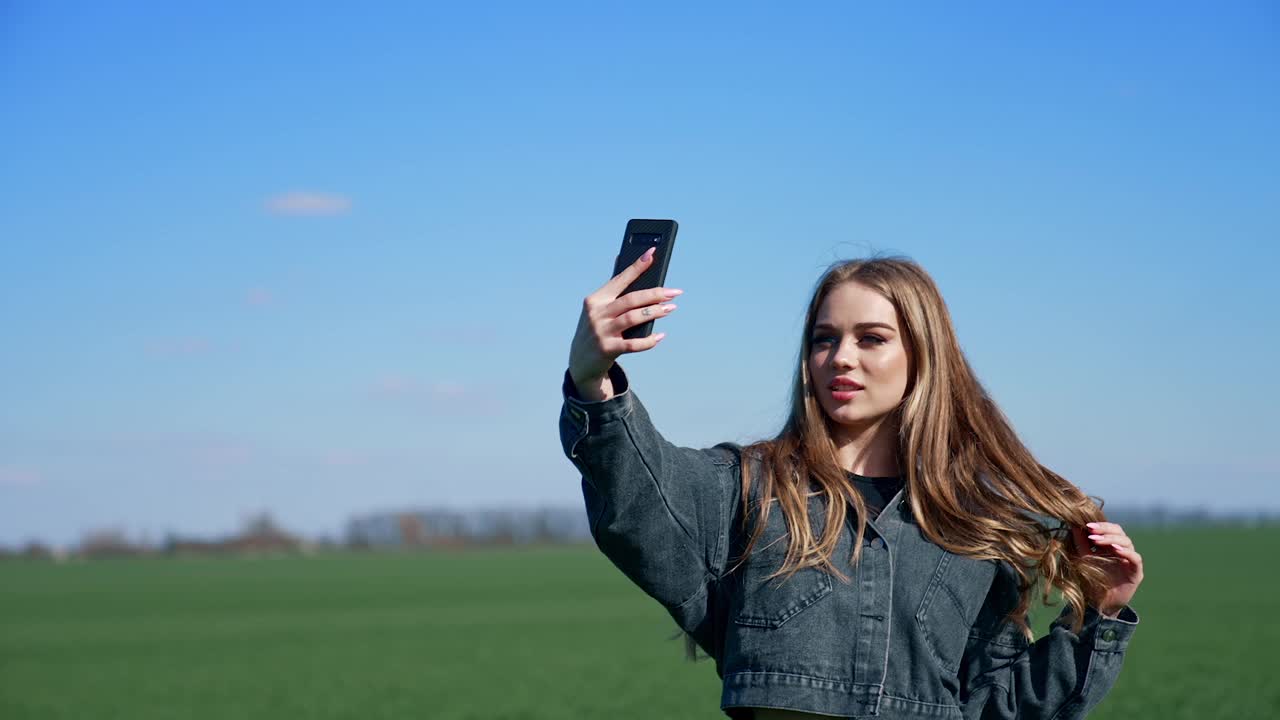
{"x":598,"y":340}
{"x":1108,"y":540}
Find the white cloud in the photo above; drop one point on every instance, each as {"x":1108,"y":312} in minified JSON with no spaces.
{"x":308,"y":203}
{"x":440,"y":395}
{"x":169,"y":347}
{"x":259,"y":296}
{"x":15,"y":476}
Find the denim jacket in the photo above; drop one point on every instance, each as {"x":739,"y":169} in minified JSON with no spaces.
{"x":917,"y":632}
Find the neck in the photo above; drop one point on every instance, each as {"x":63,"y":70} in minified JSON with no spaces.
{"x":870,"y":450}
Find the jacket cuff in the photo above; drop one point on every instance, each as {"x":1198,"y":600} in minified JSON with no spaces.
{"x":582,"y":417}
{"x":1108,"y":634}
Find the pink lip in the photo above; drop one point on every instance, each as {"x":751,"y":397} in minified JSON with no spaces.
{"x":842,"y":395}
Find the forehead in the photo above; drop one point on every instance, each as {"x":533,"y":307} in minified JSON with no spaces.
{"x":849,"y":304}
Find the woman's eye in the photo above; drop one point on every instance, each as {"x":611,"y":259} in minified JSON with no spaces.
{"x":817,"y":339}
{"x":877,"y":338}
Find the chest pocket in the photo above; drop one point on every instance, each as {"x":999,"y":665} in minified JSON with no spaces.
{"x":768,"y":603}
{"x":950,"y":605}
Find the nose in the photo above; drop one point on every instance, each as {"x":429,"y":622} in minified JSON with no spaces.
{"x":843,"y":358}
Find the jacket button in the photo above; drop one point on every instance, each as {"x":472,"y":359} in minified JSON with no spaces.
{"x":877,"y":543}
{"x":1109,"y":634}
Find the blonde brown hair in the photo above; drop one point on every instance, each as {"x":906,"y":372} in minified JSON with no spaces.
{"x":973,"y":487}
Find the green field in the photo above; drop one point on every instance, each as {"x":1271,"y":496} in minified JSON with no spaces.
{"x":521,"y":633}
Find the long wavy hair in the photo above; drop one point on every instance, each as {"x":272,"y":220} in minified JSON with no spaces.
{"x":973,"y":486}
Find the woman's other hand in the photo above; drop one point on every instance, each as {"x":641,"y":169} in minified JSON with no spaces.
{"x":598,"y":340}
{"x":1108,"y":539}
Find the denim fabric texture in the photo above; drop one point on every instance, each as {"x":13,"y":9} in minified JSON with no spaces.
{"x":917,"y":632}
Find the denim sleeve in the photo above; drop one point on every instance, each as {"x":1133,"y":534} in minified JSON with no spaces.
{"x":661,"y":513}
{"x":1061,"y":676}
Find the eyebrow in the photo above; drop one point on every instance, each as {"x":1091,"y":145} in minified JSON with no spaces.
{"x":827,"y":326}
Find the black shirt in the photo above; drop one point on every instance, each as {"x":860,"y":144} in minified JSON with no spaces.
{"x":877,"y":491}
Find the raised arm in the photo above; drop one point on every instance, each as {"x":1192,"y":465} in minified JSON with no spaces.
{"x":661,"y":513}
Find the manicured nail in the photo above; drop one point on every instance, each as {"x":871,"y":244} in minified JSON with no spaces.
{"x":648,"y":253}
{"x":672,"y":293}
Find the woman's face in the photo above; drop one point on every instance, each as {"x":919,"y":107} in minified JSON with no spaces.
{"x":856,"y":336}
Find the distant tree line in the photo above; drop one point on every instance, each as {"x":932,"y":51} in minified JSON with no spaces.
{"x":413,"y":529}
{"x":436,"y":527}
{"x":425,"y":529}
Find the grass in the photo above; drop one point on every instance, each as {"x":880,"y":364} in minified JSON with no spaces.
{"x":519,"y":633}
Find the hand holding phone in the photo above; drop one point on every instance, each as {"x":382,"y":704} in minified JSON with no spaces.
{"x":633,"y":298}
{"x":639,"y":238}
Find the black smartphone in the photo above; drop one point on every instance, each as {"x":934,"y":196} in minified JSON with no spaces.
{"x":638,"y":238}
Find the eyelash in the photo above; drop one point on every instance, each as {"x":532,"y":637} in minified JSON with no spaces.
{"x":817,"y":338}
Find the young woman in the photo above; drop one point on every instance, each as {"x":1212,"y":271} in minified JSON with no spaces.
{"x":879,"y":555}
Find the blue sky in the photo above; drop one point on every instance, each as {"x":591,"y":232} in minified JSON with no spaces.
{"x":323,"y":261}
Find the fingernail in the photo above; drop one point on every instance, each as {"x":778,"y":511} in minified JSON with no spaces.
{"x":649,"y":253}
{"x":1095,"y":537}
{"x":672,"y":293}
{"x":1092,"y":525}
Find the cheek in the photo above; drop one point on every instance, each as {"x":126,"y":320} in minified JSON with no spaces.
{"x":898,"y":368}
{"x":815,"y":364}
{"x":818,"y":376}
{"x":889,"y":367}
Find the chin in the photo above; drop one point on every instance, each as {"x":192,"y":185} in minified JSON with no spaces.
{"x":854,"y":419}
{"x":844,"y":417}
